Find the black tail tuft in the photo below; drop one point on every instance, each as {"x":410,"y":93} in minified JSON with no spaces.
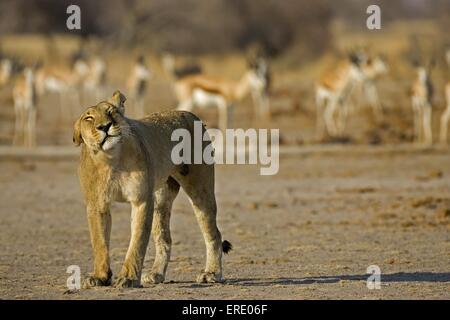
{"x":226,"y":246}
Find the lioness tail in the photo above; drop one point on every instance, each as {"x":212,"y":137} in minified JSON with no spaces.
{"x":226,"y":246}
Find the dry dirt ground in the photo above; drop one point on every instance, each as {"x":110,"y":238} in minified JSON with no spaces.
{"x":309,"y":232}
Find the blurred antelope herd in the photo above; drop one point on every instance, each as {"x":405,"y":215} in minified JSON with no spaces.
{"x":350,"y":83}
{"x":356,"y":77}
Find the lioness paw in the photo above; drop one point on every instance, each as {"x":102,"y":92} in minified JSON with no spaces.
{"x":123,"y":282}
{"x":92,"y":281}
{"x":209,"y":277}
{"x":153,"y":278}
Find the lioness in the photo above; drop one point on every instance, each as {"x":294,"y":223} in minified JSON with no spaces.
{"x":130,"y":161}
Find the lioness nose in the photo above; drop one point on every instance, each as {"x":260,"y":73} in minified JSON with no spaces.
{"x":104,"y":127}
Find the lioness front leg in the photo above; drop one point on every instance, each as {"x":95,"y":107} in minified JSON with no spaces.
{"x":164,"y":198}
{"x":141,"y":223}
{"x":100,"y":230}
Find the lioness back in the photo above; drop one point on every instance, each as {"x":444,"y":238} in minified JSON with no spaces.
{"x":158,"y":127}
{"x":168,"y":121}
{"x":156,"y":132}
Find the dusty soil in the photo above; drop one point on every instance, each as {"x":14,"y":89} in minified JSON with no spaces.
{"x":309,"y":232}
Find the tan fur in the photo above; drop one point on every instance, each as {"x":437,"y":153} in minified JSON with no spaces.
{"x":24,"y":97}
{"x":337,"y":78}
{"x":372,"y":69}
{"x":135,"y":166}
{"x":5,"y":71}
{"x":421,"y":104}
{"x":446,"y":115}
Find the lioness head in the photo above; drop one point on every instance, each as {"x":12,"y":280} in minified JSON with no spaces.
{"x":101,"y":127}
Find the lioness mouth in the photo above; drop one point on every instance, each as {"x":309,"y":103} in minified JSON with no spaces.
{"x":106,"y":138}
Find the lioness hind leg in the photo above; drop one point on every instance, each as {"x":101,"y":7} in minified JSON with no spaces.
{"x":199,"y":186}
{"x":164,"y":198}
{"x":205,"y":212}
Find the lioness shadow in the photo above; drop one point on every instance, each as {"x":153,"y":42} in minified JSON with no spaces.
{"x":393,"y":277}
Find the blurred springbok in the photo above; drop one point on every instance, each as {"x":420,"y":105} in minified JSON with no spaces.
{"x":95,"y":79}
{"x":446,"y":115}
{"x":61,"y":81}
{"x":137,"y":85}
{"x":6,"y":70}
{"x":421,"y":99}
{"x":332,"y":94}
{"x":259,"y":87}
{"x":372,"y":69}
{"x":202,"y":91}
{"x":24,"y":97}
{"x":175,"y":72}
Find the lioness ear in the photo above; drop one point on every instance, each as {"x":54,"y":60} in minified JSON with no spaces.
{"x":77,"y":139}
{"x":118,"y":100}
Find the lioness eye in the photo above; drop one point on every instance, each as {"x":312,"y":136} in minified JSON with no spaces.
{"x":89,"y":118}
